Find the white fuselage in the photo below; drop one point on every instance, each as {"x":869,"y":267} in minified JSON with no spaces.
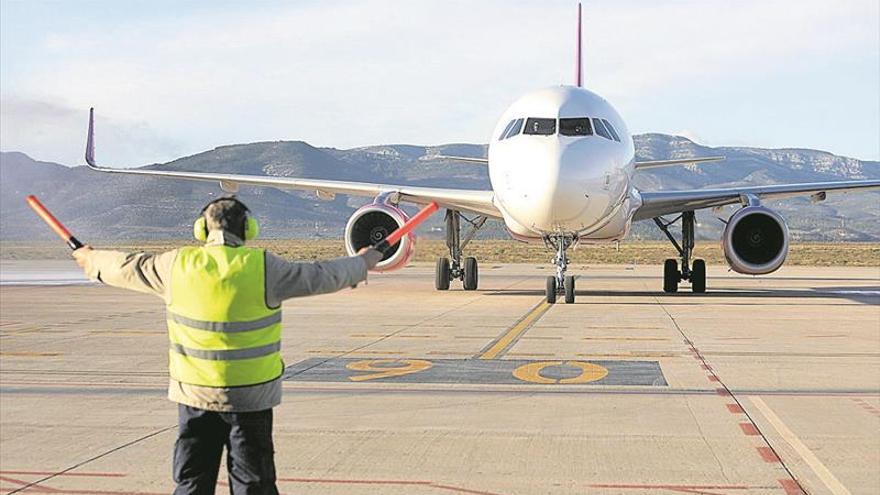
{"x":558,"y":174}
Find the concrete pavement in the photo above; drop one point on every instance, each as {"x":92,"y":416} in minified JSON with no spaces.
{"x":762,"y":385}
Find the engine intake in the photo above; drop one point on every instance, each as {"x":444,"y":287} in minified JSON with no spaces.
{"x":372,"y":223}
{"x":755,"y":241}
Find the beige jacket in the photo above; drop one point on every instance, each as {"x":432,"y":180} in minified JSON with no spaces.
{"x":151,"y":274}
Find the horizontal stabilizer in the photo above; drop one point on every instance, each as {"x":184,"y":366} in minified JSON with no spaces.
{"x":679,"y":161}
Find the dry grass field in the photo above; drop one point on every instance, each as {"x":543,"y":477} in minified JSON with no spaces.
{"x":495,"y":251}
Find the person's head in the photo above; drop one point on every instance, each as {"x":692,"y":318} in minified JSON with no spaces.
{"x":226,"y":214}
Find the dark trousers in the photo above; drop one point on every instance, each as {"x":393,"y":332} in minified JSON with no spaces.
{"x":249,"y":451}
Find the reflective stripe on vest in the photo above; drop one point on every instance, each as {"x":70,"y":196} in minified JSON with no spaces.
{"x":221,"y":332}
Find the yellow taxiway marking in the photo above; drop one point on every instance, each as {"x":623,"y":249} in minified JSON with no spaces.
{"x":515,"y":332}
{"x":401,"y":336}
{"x":806,"y":454}
{"x":29,"y":354}
{"x":352,"y":353}
{"x":531,"y":372}
{"x":378,"y":368}
{"x":630,"y":354}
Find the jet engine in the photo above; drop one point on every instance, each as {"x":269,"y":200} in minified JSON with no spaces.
{"x":755,"y":241}
{"x":372,"y":223}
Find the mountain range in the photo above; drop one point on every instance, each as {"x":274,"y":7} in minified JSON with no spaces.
{"x":111,"y":206}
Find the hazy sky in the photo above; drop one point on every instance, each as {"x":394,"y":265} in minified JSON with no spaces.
{"x":172,"y":78}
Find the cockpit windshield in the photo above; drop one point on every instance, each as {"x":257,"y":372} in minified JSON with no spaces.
{"x":540,"y":127}
{"x":575,"y":127}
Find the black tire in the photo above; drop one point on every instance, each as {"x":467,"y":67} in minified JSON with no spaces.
{"x":441,"y":276}
{"x":671,"y":277}
{"x":569,"y":289}
{"x":551,"y":289}
{"x":698,"y":277}
{"x":471,"y":275}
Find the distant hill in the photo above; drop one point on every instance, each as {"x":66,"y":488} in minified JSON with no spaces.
{"x":104,"y":206}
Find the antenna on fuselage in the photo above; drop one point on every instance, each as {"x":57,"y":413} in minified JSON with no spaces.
{"x":579,"y":62}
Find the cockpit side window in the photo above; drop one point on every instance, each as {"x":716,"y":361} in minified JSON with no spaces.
{"x":514,"y":130}
{"x":506,"y":130}
{"x":600,"y":129}
{"x":540,"y":127}
{"x":611,"y":130}
{"x":575,"y":127}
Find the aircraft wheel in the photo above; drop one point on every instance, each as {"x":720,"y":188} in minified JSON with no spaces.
{"x":568,"y":284}
{"x":671,"y":276}
{"x":698,"y":277}
{"x":441,"y":276}
{"x":471,"y":275}
{"x":551,"y":289}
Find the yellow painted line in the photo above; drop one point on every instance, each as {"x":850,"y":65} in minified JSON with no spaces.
{"x":352,"y":353}
{"x":531,"y":372}
{"x":632,"y":355}
{"x":29,"y":354}
{"x":515,"y":332}
{"x":806,"y":454}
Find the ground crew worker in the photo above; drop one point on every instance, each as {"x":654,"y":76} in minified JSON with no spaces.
{"x":224,"y":325}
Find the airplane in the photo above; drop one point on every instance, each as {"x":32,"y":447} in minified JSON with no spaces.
{"x":561,"y":164}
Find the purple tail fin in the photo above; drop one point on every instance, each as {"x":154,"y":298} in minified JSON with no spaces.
{"x":579,"y":63}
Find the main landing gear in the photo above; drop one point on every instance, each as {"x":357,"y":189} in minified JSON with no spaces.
{"x":560,"y":283}
{"x":461,"y":269}
{"x":695,"y":273}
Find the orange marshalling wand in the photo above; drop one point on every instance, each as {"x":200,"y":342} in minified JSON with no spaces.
{"x":53,"y":223}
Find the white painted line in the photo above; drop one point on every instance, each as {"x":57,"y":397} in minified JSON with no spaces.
{"x":806,"y":454}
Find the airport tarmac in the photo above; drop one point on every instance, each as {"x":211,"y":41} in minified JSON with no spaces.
{"x":765,"y":385}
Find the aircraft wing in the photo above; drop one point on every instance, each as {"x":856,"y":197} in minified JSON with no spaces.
{"x":473,"y":201}
{"x":659,"y":203}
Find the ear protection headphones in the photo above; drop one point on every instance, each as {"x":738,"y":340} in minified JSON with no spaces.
{"x":251,"y":227}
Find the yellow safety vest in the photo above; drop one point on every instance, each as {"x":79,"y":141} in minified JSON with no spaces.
{"x":221,"y":331}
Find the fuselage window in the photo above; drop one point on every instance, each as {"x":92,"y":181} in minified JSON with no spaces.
{"x":600,"y":129}
{"x":611,"y":130}
{"x":514,"y":130}
{"x":575,"y":127}
{"x":506,"y":130}
{"x":540,"y":127}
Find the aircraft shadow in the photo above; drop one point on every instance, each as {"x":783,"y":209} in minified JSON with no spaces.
{"x":859,"y":294}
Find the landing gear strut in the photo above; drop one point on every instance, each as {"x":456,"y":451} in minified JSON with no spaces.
{"x":461,"y":269}
{"x":560,"y":283}
{"x":696,"y":274}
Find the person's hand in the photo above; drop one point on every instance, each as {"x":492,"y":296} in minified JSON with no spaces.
{"x":81,"y":256}
{"x":371,"y":256}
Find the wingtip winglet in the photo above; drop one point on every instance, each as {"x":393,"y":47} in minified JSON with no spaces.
{"x":90,"y":139}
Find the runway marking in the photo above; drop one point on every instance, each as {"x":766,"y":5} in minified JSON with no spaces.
{"x":509,"y":338}
{"x":634,"y":354}
{"x":698,"y":489}
{"x":768,"y":455}
{"x":749,"y":429}
{"x":824,"y":474}
{"x":791,"y":487}
{"x":29,"y":354}
{"x":353,"y":353}
{"x":532,"y":372}
{"x":518,"y":372}
{"x":380,"y":370}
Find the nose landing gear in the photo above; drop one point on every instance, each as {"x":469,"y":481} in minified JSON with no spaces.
{"x":560,"y":283}
{"x":464,"y":269}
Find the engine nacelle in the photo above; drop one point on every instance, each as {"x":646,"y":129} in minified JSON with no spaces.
{"x":755,"y":241}
{"x":372,"y":223}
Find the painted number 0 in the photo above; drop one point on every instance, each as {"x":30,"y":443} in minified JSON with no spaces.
{"x":379,"y":368}
{"x":531,"y":372}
